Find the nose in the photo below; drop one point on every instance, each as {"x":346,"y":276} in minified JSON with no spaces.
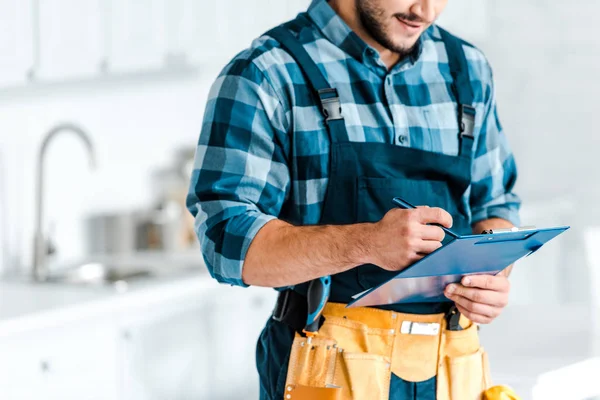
{"x":425,"y":9}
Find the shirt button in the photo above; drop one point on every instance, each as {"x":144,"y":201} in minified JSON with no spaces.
{"x":401,"y":139}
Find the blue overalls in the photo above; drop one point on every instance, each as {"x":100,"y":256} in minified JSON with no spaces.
{"x":363,"y":179}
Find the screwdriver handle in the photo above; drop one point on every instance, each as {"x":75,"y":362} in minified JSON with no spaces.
{"x":317,"y":296}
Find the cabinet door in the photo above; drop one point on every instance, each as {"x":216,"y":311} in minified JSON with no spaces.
{"x":136,"y":37}
{"x":16,"y":41}
{"x":165,"y":353}
{"x":70,"y":39}
{"x":184,"y":31}
{"x":72,"y":362}
{"x":236,"y":320}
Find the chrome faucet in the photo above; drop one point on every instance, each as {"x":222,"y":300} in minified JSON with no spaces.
{"x":41,"y":245}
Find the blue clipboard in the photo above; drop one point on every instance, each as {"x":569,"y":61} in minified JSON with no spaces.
{"x":425,"y":280}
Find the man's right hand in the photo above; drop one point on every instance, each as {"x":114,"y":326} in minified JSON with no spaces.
{"x":403,"y":237}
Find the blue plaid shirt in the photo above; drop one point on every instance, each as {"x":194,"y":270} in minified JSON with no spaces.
{"x":263,"y":144}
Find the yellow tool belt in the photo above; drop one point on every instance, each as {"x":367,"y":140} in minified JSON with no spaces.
{"x":357,"y":349}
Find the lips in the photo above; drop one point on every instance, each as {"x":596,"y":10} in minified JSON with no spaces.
{"x":410,"y":28}
{"x":409,"y":24}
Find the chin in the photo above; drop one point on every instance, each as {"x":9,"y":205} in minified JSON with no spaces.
{"x":406,"y":43}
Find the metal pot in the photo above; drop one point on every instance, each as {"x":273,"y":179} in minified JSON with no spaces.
{"x":130,"y":232}
{"x":111,"y":233}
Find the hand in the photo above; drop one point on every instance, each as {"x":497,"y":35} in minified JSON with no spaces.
{"x":481,"y":298}
{"x":402,"y":237}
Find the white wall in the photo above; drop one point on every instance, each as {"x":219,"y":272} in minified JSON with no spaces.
{"x":135,"y":126}
{"x":546,"y":58}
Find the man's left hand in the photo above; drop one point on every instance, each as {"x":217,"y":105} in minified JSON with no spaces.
{"x":481,"y":298}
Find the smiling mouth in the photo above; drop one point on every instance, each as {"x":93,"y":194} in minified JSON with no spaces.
{"x":413,"y":25}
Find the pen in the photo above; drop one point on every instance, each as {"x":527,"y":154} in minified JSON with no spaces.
{"x":406,"y":205}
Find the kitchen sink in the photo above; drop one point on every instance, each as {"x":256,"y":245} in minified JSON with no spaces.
{"x":120,"y":271}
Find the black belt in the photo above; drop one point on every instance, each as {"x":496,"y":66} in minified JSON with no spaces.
{"x":292,"y":309}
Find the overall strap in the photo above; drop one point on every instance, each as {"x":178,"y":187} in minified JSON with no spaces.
{"x":463,"y":91}
{"x":328,"y":96}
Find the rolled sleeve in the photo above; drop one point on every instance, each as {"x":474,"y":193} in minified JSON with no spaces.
{"x":240,"y":178}
{"x":494,"y":169}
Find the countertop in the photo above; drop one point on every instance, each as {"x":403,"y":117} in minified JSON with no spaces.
{"x":26,"y":305}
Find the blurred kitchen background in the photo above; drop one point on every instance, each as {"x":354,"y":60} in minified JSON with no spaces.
{"x":128,"y":310}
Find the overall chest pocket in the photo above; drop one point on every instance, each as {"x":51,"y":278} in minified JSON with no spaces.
{"x":374,"y":197}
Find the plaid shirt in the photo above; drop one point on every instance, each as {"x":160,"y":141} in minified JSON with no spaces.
{"x":263,"y":148}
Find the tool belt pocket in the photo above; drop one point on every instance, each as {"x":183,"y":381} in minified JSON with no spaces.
{"x":311,"y":369}
{"x":353,"y":366}
{"x":362,"y":376}
{"x":464,"y":372}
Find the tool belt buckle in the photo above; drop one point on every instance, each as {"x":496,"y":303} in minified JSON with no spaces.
{"x":281,"y":305}
{"x":420,"y":328}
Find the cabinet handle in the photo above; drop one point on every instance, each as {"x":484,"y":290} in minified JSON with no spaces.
{"x":45,"y":366}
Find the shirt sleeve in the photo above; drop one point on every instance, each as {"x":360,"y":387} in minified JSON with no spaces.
{"x":494,"y":170}
{"x":240,"y":177}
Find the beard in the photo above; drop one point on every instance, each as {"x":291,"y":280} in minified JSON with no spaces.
{"x":373,"y":21}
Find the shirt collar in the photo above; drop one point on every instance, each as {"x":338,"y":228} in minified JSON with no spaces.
{"x":333,"y":27}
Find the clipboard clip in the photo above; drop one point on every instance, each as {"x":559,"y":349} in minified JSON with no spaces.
{"x":508,"y":230}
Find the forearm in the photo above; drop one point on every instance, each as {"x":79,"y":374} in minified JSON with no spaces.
{"x":283,"y":255}
{"x":493,"y":223}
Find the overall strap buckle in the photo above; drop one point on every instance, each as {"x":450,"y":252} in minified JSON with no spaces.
{"x":330,"y":104}
{"x":466,"y":120}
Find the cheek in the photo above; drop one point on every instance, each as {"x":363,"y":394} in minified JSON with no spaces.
{"x":440,"y":7}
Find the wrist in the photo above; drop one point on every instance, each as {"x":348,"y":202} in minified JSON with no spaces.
{"x":361,"y":243}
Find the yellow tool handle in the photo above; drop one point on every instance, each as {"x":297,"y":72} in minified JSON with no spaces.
{"x":500,"y":392}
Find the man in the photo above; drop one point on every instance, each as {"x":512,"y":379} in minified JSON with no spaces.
{"x":307,"y":137}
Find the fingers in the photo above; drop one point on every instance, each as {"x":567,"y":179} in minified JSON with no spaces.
{"x":435,"y":215}
{"x":476,"y":318}
{"x":428,"y":246}
{"x":432,"y":233}
{"x":498,"y":283}
{"x":476,"y":295}
{"x":483,"y":299}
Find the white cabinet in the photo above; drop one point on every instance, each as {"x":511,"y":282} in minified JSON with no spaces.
{"x":188,"y":36}
{"x":197,"y":348}
{"x":237,"y":318}
{"x":16,"y":41}
{"x":65,"y":40}
{"x":164,"y":353}
{"x":136,"y":35}
{"x":72,"y":362}
{"x":179,"y":345}
{"x":71,"y":41}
